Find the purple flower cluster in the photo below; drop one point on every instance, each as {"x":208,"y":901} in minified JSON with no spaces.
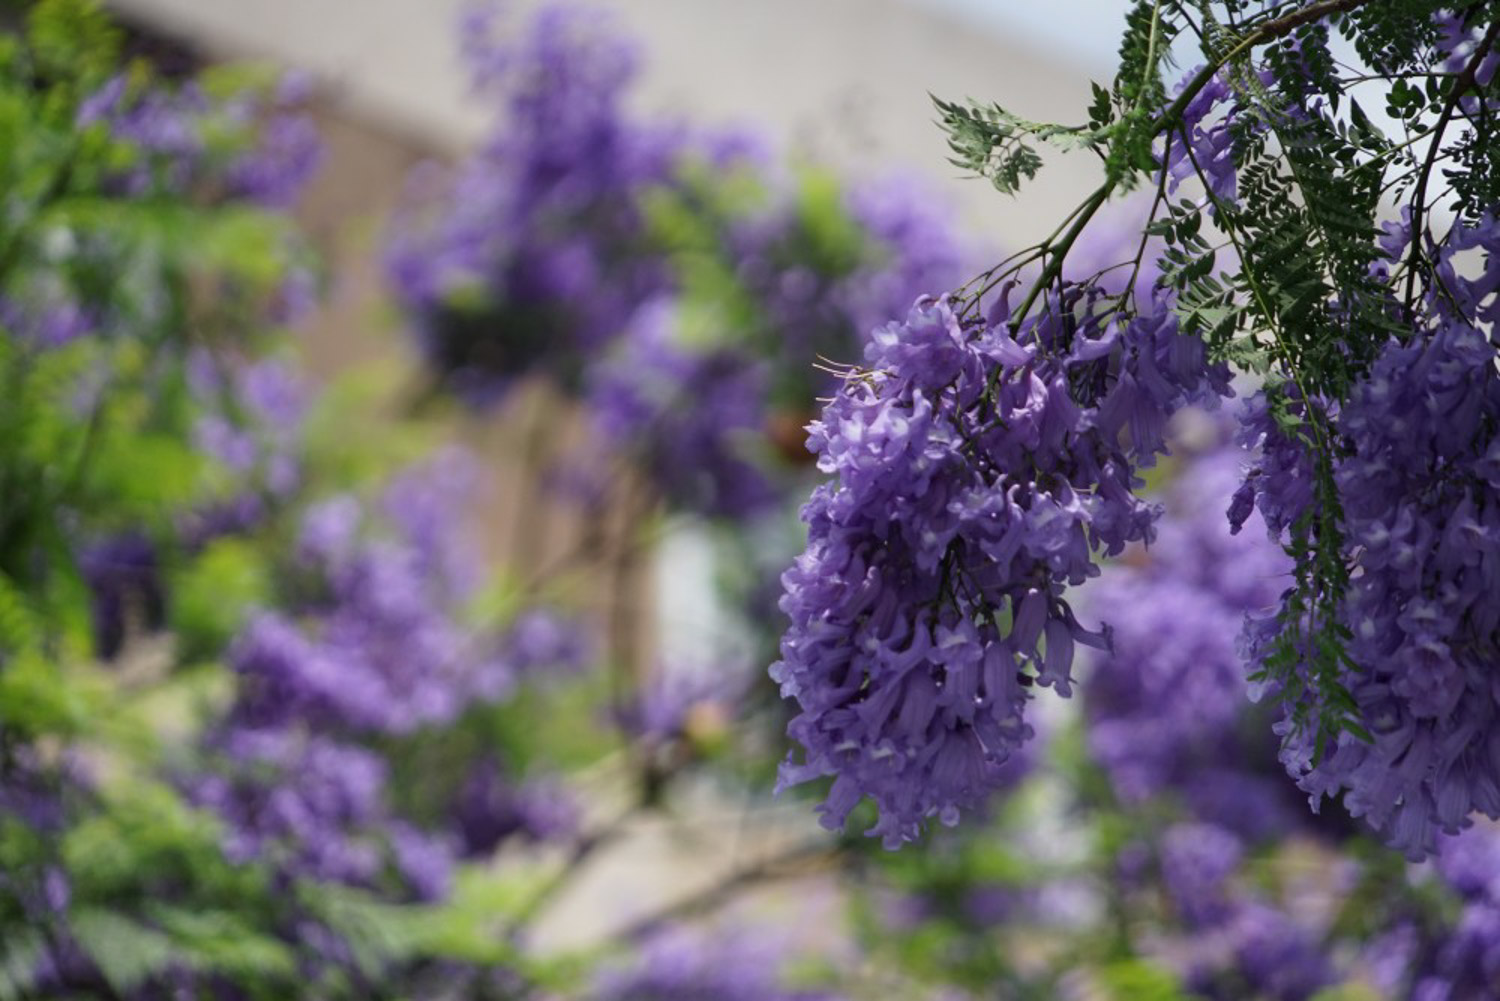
{"x":44,"y":317}
{"x":258,"y":450}
{"x":978,"y":468}
{"x":825,"y":263}
{"x":1235,"y":935}
{"x":29,"y":789}
{"x":914,"y":246}
{"x":1464,"y":961}
{"x":532,"y":252}
{"x":1457,"y":42}
{"x":687,"y":966}
{"x":542,"y":254}
{"x":287,"y":151}
{"x":1279,"y":484}
{"x":490,"y":808}
{"x":695,"y":418}
{"x":382,"y":652}
{"x":252,"y":424}
{"x":1239,"y":945}
{"x":162,"y":124}
{"x":1166,"y":709}
{"x":704,"y":417}
{"x":178,"y":139}
{"x":1204,"y":145}
{"x":1418,"y":476}
{"x":126,"y":589}
{"x":540,"y":642}
{"x":253,"y":146}
{"x":372,"y":654}
{"x":377,"y":653}
{"x":304,"y":802}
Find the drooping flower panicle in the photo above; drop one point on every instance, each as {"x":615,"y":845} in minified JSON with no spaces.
{"x":1418,"y":476}
{"x":977,"y":470}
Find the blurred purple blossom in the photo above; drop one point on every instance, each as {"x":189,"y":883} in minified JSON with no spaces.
{"x":1202,"y":145}
{"x":1167,"y":708}
{"x":541,"y":643}
{"x":126,"y":589}
{"x":529,"y":254}
{"x":177,"y":134}
{"x":45,"y":320}
{"x":682,"y":965}
{"x":307,"y":804}
{"x":491,"y":807}
{"x":696,"y":417}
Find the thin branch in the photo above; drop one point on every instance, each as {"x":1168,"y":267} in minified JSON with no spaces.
{"x":1464,"y":82}
{"x":585,"y":849}
{"x":1140,"y":251}
{"x":1170,"y":117}
{"x":798,"y":861}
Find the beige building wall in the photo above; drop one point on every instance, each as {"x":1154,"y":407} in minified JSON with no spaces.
{"x":844,"y":80}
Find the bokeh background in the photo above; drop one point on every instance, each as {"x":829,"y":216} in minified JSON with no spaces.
{"x":844,"y":85}
{"x":406,"y":631}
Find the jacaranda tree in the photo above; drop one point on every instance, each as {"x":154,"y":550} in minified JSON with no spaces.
{"x":272,"y":726}
{"x":987,"y":452}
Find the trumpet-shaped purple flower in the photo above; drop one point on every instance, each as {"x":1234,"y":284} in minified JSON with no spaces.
{"x":1418,"y":477}
{"x":977,"y":470}
{"x":1204,"y":145}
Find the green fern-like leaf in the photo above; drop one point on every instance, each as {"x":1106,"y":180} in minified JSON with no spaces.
{"x":127,"y":952}
{"x":991,"y":142}
{"x":21,"y":954}
{"x":226,"y":942}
